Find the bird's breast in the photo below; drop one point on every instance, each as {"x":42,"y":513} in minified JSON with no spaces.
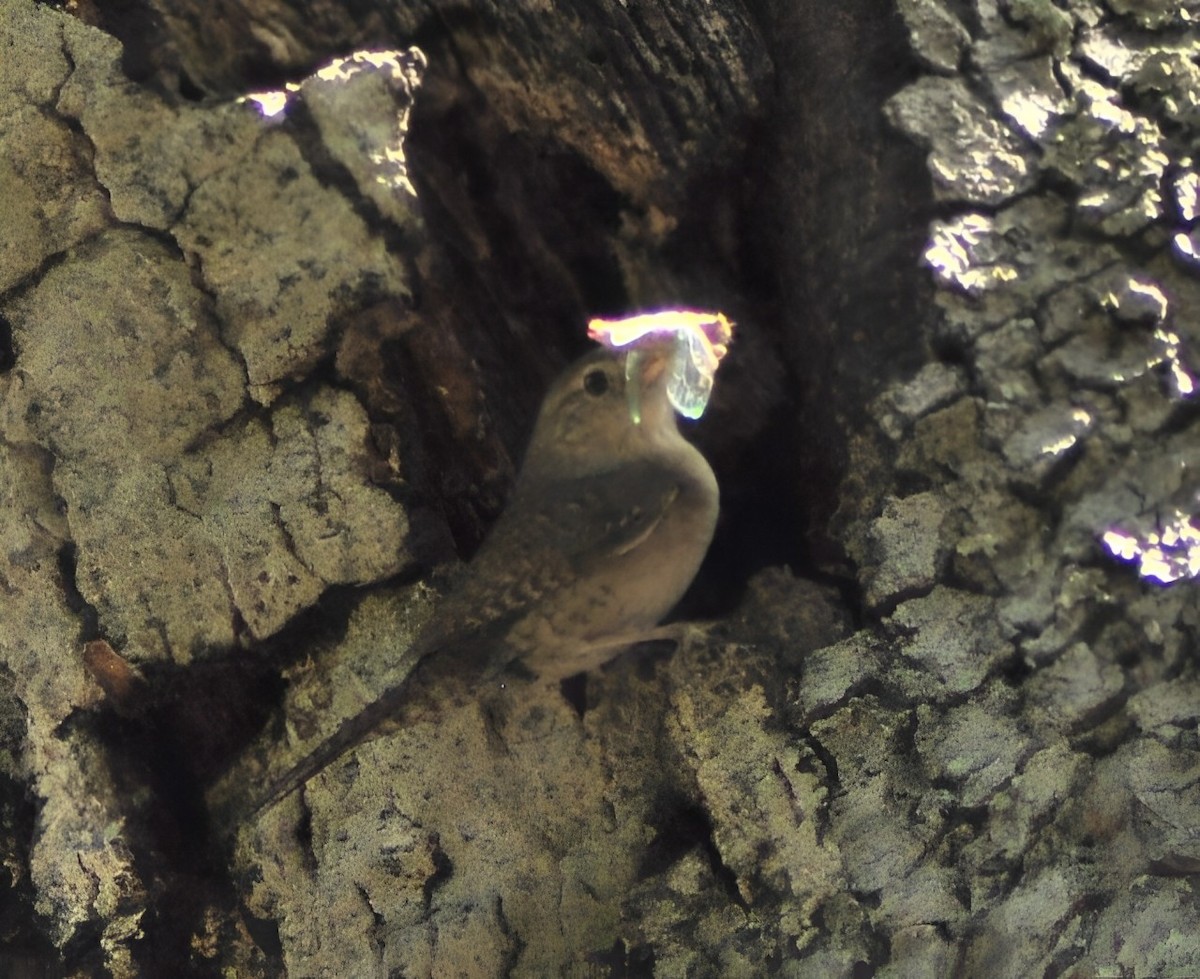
{"x":631,"y":591}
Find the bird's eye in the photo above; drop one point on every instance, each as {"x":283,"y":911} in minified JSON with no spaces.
{"x":595,"y":382}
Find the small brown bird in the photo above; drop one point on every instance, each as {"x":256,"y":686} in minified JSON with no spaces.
{"x":608,"y":523}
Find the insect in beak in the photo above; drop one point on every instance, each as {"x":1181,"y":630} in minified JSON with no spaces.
{"x":643,"y":366}
{"x":693,"y":342}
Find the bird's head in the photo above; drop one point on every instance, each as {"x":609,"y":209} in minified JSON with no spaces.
{"x":607,"y":407}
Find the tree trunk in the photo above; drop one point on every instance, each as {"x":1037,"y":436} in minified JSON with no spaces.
{"x":265,"y":379}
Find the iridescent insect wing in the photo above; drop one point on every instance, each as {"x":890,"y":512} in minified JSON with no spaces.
{"x":693,"y":365}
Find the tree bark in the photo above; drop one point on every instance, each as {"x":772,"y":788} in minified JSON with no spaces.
{"x":263,"y":381}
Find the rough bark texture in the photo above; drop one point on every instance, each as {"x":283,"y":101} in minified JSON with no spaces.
{"x":260,"y":379}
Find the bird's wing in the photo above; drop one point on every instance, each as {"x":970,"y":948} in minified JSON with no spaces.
{"x":595,"y":517}
{"x":569,"y":526}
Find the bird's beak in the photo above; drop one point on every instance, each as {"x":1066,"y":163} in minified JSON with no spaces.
{"x":644,"y":366}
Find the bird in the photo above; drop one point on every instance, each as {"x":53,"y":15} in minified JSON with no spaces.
{"x":610,"y":518}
